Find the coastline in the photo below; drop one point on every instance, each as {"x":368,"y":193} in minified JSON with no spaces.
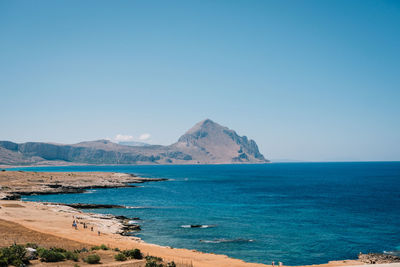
{"x":55,"y":219}
{"x":15,"y":184}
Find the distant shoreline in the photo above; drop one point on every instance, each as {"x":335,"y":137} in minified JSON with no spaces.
{"x":140,"y":164}
{"x":77,"y":164}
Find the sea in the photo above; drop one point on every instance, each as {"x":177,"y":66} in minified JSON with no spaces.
{"x":295,"y":213}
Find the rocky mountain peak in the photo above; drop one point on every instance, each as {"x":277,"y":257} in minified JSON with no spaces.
{"x":204,"y":125}
{"x":220,"y":143}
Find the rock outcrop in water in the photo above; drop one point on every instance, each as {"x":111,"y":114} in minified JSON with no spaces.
{"x":377,"y":258}
{"x":206,"y":143}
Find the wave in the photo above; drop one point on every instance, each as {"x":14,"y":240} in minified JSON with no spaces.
{"x":223,"y":240}
{"x":140,"y":207}
{"x":393,"y":253}
{"x":90,"y":191}
{"x":197,"y":226}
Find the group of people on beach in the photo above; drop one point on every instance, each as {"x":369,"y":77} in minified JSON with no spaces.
{"x":85,"y":226}
{"x":279,"y":264}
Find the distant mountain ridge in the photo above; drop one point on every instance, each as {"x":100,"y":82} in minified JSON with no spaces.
{"x":205,"y":143}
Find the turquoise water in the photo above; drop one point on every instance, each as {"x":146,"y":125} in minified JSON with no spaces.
{"x":297,"y":213}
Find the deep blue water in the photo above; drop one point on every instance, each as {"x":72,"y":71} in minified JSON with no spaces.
{"x":297,"y":213}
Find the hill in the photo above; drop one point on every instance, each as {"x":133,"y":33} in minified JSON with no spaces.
{"x":205,"y":143}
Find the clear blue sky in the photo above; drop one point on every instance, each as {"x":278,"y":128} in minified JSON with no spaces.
{"x":308,"y":80}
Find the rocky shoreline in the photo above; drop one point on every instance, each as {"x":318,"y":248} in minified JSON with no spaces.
{"x":83,"y":206}
{"x":126,"y":225}
{"x":14,"y":184}
{"x":378,"y":258}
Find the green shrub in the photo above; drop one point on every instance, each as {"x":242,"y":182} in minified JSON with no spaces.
{"x":120,"y":257}
{"x":153,"y":263}
{"x":76,"y":265}
{"x":153,"y":258}
{"x":13,"y":255}
{"x":40,"y":251}
{"x":3,"y":258}
{"x":117,"y":249}
{"x":133,"y":254}
{"x":58,"y":250}
{"x":69,"y":255}
{"x":95,"y":248}
{"x":104,"y":247}
{"x":48,"y":255}
{"x":171,"y":264}
{"x":92,"y":259}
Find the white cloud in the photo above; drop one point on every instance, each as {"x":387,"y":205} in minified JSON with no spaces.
{"x":123,"y":138}
{"x":144,"y":137}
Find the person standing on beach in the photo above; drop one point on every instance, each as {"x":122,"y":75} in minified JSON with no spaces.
{"x":273,"y":264}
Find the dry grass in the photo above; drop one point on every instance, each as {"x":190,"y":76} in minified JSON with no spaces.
{"x":11,"y":233}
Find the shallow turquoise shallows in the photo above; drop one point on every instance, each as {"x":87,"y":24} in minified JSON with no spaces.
{"x":297,"y":213}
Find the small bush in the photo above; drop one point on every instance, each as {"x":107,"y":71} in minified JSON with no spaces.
{"x":153,"y":263}
{"x":95,"y":248}
{"x":153,"y":258}
{"x":40,"y":251}
{"x":104,"y":247}
{"x":120,"y":257}
{"x":76,"y":265}
{"x":71,"y":256}
{"x":48,"y":255}
{"x":171,"y":264}
{"x":92,"y":259}
{"x":117,"y":249}
{"x":133,"y":254}
{"x":61,"y":250}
